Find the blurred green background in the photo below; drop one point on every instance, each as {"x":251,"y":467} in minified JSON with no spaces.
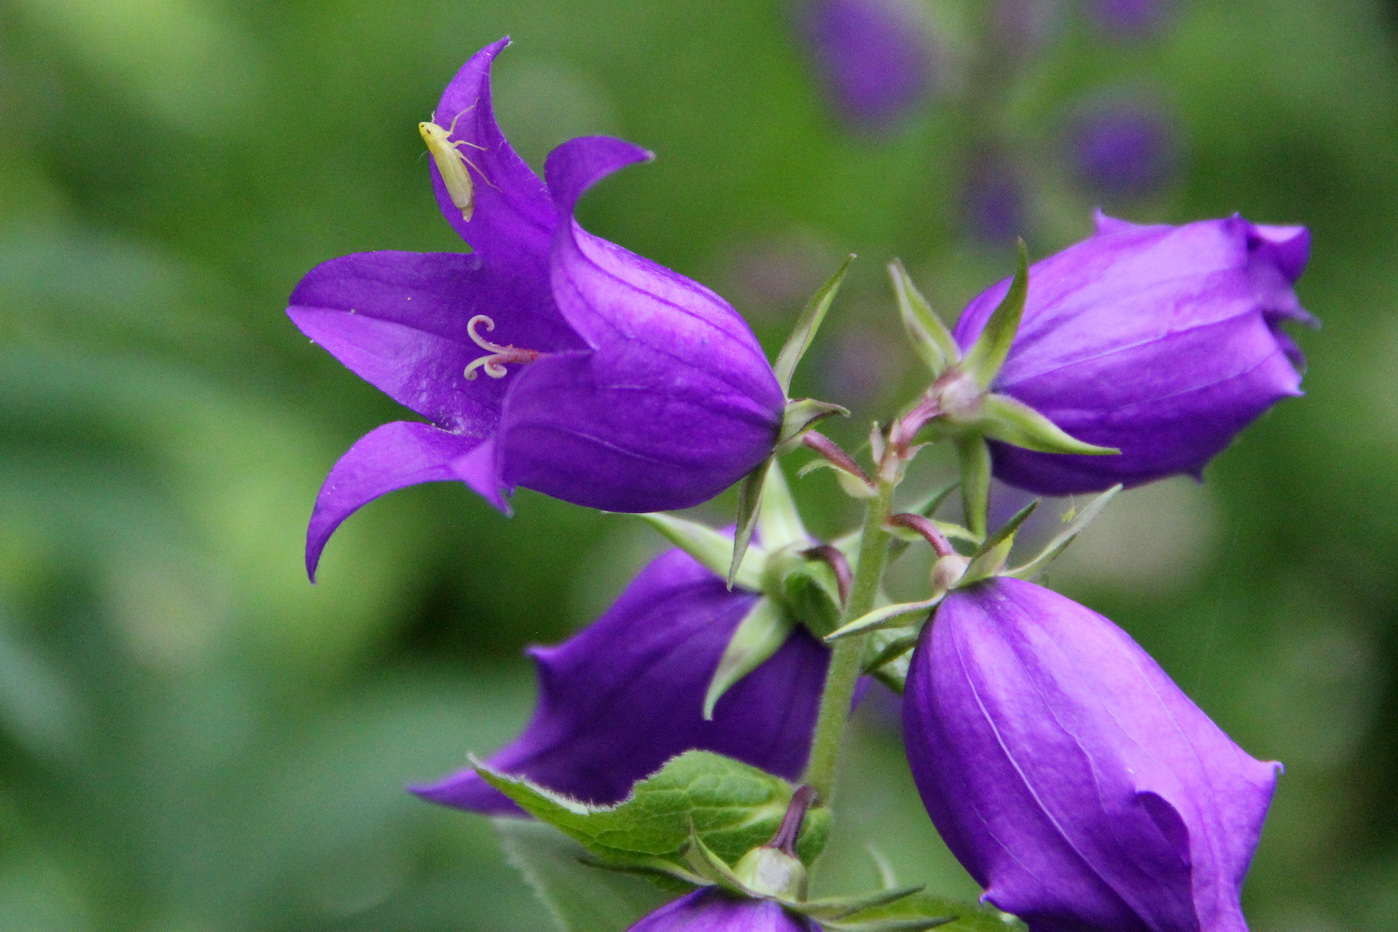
{"x":192,"y":737}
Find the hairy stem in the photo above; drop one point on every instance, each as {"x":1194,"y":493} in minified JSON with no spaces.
{"x":843,"y":675}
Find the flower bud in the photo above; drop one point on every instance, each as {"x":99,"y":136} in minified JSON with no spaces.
{"x":1162,"y":342}
{"x":1070,"y":776}
{"x":713,"y":910}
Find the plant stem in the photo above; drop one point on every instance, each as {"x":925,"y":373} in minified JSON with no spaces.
{"x":843,"y":674}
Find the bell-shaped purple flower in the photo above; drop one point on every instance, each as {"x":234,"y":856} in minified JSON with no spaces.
{"x":710,"y":909}
{"x":874,"y":58}
{"x":1070,"y":776}
{"x":547,"y":358}
{"x":1163,"y":342}
{"x":626,"y":694}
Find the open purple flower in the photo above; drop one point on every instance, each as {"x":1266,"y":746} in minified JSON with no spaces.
{"x":710,"y":909}
{"x":1163,"y":342}
{"x":1070,"y":776}
{"x":609,"y":381}
{"x":626,"y":694}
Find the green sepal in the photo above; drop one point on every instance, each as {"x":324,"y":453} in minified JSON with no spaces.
{"x":709,"y":548}
{"x":928,"y":335}
{"x":577,"y":896}
{"x":986,"y":356}
{"x":889,"y":925}
{"x":1014,"y":422}
{"x":806,"y":326}
{"x":1056,"y":546}
{"x":811,"y":595}
{"x":838,"y":907}
{"x":749,"y":506}
{"x":885,"y":617}
{"x":758,"y":636}
{"x":799,"y":416}
{"x":974,"y":456}
{"x":733,"y":807}
{"x":771,"y":872}
{"x":890,"y":657}
{"x":991,"y":557}
{"x":931,"y":911}
{"x":710,"y":866}
{"x":852,"y":485}
{"x":778,"y":521}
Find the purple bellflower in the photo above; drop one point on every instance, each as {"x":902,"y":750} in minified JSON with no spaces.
{"x":610,"y":381}
{"x":710,"y":909}
{"x":1070,"y":776}
{"x":1163,"y":342}
{"x":874,"y":58}
{"x":626,"y":694}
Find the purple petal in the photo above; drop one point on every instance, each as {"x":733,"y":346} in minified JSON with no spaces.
{"x":626,"y":694}
{"x":390,"y":457}
{"x":1161,"y":341}
{"x":514,"y":216}
{"x":712,"y":910}
{"x":1071,"y":776}
{"x":399,"y":320}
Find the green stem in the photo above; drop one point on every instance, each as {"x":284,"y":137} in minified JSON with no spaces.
{"x":845,"y":657}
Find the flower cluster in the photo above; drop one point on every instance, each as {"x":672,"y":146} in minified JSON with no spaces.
{"x":1078,"y":785}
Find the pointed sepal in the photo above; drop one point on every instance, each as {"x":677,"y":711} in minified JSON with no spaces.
{"x":749,"y":504}
{"x":973,"y":455}
{"x":986,"y":356}
{"x":710,"y":549}
{"x":838,"y":907}
{"x":779,"y":522}
{"x":1015,"y":423}
{"x":886,"y":617}
{"x":929,"y":336}
{"x":800,"y":416}
{"x":990,"y":558}
{"x":806,"y":326}
{"x":1060,"y":542}
{"x":758,"y":636}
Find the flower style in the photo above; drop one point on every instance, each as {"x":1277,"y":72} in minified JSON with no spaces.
{"x":1163,"y":342}
{"x":610,"y":381}
{"x":1073,"y":779}
{"x":874,"y":57}
{"x":710,"y":909}
{"x":626,"y":694}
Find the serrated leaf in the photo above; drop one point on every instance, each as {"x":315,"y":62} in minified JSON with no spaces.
{"x":758,"y":636}
{"x":733,"y":807}
{"x":986,"y":356}
{"x":806,"y":326}
{"x":710,"y":548}
{"x":1015,"y":423}
{"x":578,"y":897}
{"x":928,"y":335}
{"x":749,"y":506}
{"x":1056,"y":546}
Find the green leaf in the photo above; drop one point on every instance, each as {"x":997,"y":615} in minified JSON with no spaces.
{"x":758,"y":636}
{"x":1056,"y":546}
{"x":580,"y":898}
{"x":929,"y":336}
{"x":733,"y":807}
{"x":749,"y":507}
{"x":1016,"y":423}
{"x":806,"y":326}
{"x":986,"y":356}
{"x":709,"y":547}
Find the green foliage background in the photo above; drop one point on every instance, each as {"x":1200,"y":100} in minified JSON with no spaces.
{"x":194,"y":738}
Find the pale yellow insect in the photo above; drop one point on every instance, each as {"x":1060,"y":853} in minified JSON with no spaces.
{"x":452,"y":163}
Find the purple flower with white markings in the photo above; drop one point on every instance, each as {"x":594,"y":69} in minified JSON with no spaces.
{"x":1163,"y":342}
{"x":712,"y":910}
{"x":1070,"y":776}
{"x":610,"y":381}
{"x":626,"y":694}
{"x":874,"y":58}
